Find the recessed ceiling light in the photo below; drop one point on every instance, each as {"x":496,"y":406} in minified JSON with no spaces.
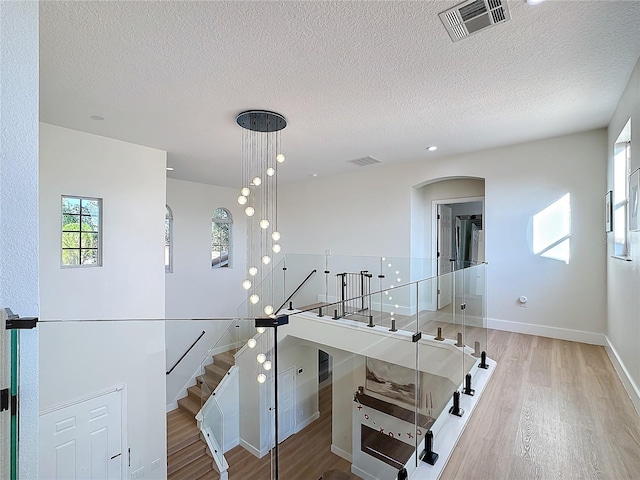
{"x":432,"y":148}
{"x":169,"y":169}
{"x":534,"y":2}
{"x":314,"y":174}
{"x":97,"y":117}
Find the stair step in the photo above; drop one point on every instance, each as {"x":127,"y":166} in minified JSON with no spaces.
{"x":195,"y":469}
{"x":197,"y":392}
{"x":215,"y":371}
{"x":182,"y":431}
{"x":189,"y":404}
{"x":212,"y":475}
{"x":225,"y":360}
{"x":185,"y":456}
{"x":212,"y":383}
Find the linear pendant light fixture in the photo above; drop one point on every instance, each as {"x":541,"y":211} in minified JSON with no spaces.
{"x":261,"y":156}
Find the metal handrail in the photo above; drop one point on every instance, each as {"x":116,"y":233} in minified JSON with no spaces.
{"x":185,"y":353}
{"x":295,"y":291}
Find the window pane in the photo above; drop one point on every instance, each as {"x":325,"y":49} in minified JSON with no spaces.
{"x":221,"y":214}
{"x":70,"y":240}
{"x":70,"y":257}
{"x":620,"y":176}
{"x":89,"y":240}
{"x":90,"y":257}
{"x":90,"y":224}
{"x":91,"y":207}
{"x":69,"y":219}
{"x":70,"y":205}
{"x":166,"y":255}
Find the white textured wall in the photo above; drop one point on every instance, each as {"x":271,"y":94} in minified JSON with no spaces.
{"x":19,"y":203}
{"x":131,"y":180}
{"x":623,"y":278}
{"x":369,"y":213}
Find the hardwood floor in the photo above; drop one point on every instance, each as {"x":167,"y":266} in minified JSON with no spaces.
{"x":303,"y":456}
{"x":552,"y":410}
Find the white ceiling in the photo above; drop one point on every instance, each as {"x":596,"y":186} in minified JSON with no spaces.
{"x":353,"y":78}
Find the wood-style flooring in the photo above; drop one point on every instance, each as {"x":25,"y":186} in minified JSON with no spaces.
{"x":303,"y":456}
{"x":552,"y":410}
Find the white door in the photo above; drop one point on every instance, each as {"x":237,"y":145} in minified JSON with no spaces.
{"x":286,"y":403}
{"x":83,"y":440}
{"x":444,"y":255}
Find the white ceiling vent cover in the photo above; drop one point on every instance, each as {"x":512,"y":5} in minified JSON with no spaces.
{"x":474,"y":15}
{"x":364,"y":161}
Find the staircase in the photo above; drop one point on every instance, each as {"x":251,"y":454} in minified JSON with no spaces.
{"x":187,"y":454}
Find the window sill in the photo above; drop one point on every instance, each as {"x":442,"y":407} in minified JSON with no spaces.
{"x":622,"y":257}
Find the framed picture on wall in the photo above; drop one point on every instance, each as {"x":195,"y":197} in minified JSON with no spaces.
{"x":608,"y":212}
{"x":392,"y":381}
{"x":634,"y":187}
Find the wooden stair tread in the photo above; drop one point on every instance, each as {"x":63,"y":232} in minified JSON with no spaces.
{"x":190,"y":405}
{"x":193,"y":470}
{"x":186,"y":455}
{"x":181,"y":438}
{"x":198,"y":393}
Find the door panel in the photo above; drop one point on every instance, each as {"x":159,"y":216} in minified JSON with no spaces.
{"x":83,"y":440}
{"x":286,"y":404}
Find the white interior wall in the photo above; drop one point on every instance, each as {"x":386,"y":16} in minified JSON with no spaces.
{"x":82,"y":358}
{"x":19,"y":204}
{"x":370,"y":213}
{"x":130,"y":179}
{"x":194,"y":289}
{"x":623,"y":278}
{"x":79,"y":358}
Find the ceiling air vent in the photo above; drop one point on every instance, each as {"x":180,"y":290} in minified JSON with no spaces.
{"x":363,"y":162}
{"x":474,"y":15}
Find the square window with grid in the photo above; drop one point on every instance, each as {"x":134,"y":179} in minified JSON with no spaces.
{"x":81,"y":231}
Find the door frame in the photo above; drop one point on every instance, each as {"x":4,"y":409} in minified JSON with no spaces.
{"x":122,"y":388}
{"x":435,"y":230}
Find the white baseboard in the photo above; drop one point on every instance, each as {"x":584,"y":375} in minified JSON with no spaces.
{"x":550,"y":332}
{"x":629,"y":385}
{"x":342,"y":453}
{"x":232,"y":444}
{"x":361,"y":473}
{"x":250,"y":448}
{"x":172,"y":406}
{"x":307,"y":421}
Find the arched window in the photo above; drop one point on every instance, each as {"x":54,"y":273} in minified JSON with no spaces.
{"x":221,"y":226}
{"x":168,"y":240}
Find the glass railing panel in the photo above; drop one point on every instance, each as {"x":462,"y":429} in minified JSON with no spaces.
{"x":308,"y":269}
{"x":220,"y":357}
{"x":426,"y":291}
{"x":8,"y":379}
{"x":438,"y":314}
{"x":212,"y":426}
{"x":363,"y":268}
{"x":475,"y":316}
{"x":264,"y":292}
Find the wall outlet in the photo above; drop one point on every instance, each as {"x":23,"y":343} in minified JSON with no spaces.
{"x":155,"y":464}
{"x":138,"y":473}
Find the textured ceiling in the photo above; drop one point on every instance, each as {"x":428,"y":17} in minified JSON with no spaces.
{"x":353,"y":78}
